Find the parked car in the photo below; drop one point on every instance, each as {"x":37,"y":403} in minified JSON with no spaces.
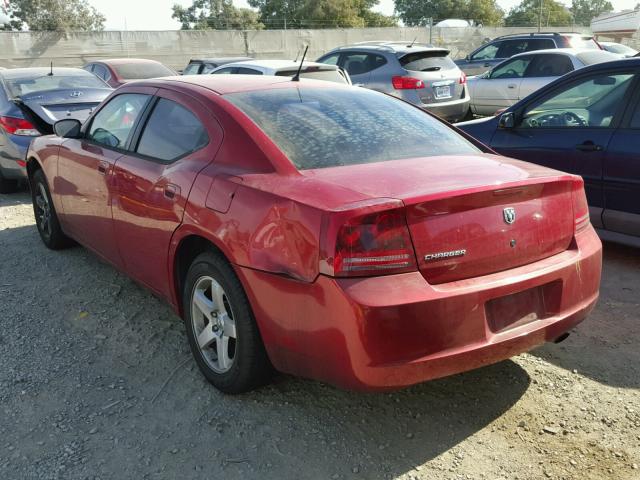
{"x":284,"y":68}
{"x":501,"y":48}
{"x":586,"y":123}
{"x":118,"y":71}
{"x":619,"y":48}
{"x":31,"y":101}
{"x":203,"y":66}
{"x":331,"y":231}
{"x":525,"y":73}
{"x":417,"y":73}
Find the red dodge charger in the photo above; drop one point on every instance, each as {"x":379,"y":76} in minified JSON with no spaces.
{"x":322,"y":230}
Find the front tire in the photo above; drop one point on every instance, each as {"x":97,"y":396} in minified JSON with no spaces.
{"x":222,"y":331}
{"x":46,"y":217}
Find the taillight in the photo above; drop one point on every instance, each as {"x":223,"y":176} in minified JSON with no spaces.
{"x":376,"y":243}
{"x":406,"y":83}
{"x":18,"y":126}
{"x":463,"y":78}
{"x":580,"y":206}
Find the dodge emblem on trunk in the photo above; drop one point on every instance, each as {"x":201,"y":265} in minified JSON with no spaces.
{"x":509,"y":215}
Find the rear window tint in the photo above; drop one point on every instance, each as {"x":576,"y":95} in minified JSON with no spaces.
{"x":171,"y":132}
{"x":427,"y":61}
{"x":133,"y":71}
{"x":22,"y":86}
{"x":327,"y":127}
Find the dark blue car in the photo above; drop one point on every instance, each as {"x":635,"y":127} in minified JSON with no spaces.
{"x":31,"y":101}
{"x":588,"y":123}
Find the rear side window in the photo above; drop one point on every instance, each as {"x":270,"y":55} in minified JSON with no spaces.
{"x":539,"y":44}
{"x":112,"y":126}
{"x":208,"y":68}
{"x":101,"y":71}
{"x":512,"y":47}
{"x":224,"y":71}
{"x":552,"y":65}
{"x":248,"y":71}
{"x":327,"y":127}
{"x":171,"y":132}
{"x":427,"y":61}
{"x":331,"y":59}
{"x":359,"y":63}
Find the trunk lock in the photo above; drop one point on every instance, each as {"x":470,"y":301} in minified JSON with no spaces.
{"x":512,"y":242}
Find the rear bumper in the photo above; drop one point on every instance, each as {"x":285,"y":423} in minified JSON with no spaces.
{"x":452,"y":111}
{"x":393,"y":331}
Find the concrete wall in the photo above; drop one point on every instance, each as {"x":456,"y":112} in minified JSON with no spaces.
{"x":175,"y":48}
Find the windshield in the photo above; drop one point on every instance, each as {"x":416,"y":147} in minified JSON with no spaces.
{"x":329,"y":127}
{"x":22,"y":86}
{"x":136,"y":71}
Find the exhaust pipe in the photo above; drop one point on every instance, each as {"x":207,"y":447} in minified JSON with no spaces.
{"x":561,"y":338}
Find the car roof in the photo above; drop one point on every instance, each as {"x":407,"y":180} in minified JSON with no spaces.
{"x":585,"y":55}
{"x":567,"y":51}
{"x":123,"y":61}
{"x":225,"y":84}
{"x":40,"y":71}
{"x":221,"y":59}
{"x":390,"y":47}
{"x":277,"y":64}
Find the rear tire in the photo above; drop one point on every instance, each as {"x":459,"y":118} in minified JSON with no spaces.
{"x":7,"y":185}
{"x":222,"y":331}
{"x":46,"y":217}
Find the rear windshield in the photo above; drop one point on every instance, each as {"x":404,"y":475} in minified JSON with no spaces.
{"x":135,"y":71}
{"x":22,"y":86}
{"x":427,"y":61}
{"x":328,"y":75}
{"x":328,"y":127}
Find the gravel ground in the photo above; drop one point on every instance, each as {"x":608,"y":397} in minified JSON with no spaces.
{"x":96,"y":381}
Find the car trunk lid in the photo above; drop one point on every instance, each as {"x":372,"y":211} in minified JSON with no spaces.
{"x":47,"y":107}
{"x":471,"y":215}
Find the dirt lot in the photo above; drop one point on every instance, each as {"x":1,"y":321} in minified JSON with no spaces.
{"x":96,"y":381}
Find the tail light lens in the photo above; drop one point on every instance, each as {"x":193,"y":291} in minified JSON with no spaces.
{"x":18,"y":126}
{"x":373,"y":244}
{"x":463,"y":78}
{"x":580,"y":206}
{"x":406,"y":83}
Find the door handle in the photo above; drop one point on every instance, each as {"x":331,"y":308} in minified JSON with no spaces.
{"x":487,"y":64}
{"x":589,"y":146}
{"x":512,"y":86}
{"x":103,"y":167}
{"x":171,"y":191}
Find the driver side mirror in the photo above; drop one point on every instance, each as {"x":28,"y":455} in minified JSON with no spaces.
{"x":67,"y":128}
{"x":507,"y":120}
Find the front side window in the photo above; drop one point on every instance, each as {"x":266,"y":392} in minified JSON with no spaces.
{"x":171,"y":132}
{"x":512,"y":47}
{"x":591,"y":102}
{"x":327,"y":127}
{"x":208,"y":68}
{"x":331,"y":59}
{"x":192,"y":69}
{"x":224,"y":71}
{"x":355,"y":63}
{"x":539,"y":44}
{"x":514,"y":68}
{"x":113,"y":125}
{"x":551,"y":65}
{"x":487,"y":53}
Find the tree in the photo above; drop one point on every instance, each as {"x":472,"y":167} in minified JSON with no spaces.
{"x":418,"y":12}
{"x":320,"y":14}
{"x":527,"y":14}
{"x":586,"y":10}
{"x":216,"y":15}
{"x":54,"y":15}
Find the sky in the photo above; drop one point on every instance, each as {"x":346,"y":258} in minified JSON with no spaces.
{"x":156,"y":14}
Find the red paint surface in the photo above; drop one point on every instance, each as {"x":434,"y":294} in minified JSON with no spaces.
{"x":277,"y":227}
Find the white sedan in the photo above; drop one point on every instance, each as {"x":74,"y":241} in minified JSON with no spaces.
{"x":285,"y":68}
{"x":525,"y":73}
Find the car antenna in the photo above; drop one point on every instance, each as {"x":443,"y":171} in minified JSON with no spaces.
{"x":296,"y":77}
{"x":414,"y":41}
{"x":51,"y":71}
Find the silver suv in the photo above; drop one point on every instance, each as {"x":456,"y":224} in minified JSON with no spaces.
{"x":417,"y":73}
